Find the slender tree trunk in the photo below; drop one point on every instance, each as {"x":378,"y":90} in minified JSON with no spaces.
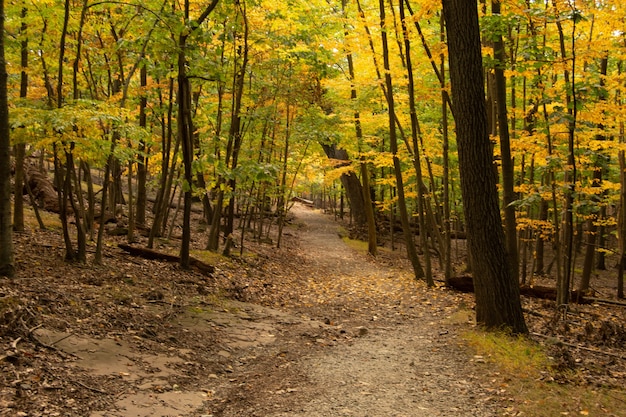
{"x":592,"y":228}
{"x":142,"y":157}
{"x":7,"y":265}
{"x":20,"y":148}
{"x":404,"y":215}
{"x":90,"y":213}
{"x":282,"y":194}
{"x":563,"y":285}
{"x":236,"y":131}
{"x":62,"y":175}
{"x":621,"y":222}
{"x":185,"y":128}
{"x":415,"y":131}
{"x":185,"y":135}
{"x":508,"y":196}
{"x":161,"y":203}
{"x":368,"y":207}
{"x":446,"y":166}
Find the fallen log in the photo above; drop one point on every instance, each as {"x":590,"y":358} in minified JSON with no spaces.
{"x":42,"y":189}
{"x":153,"y":255}
{"x":465,"y":283}
{"x":606,"y":301}
{"x":303,"y":201}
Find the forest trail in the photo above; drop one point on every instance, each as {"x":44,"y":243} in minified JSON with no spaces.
{"x":390,"y":347}
{"x":314,"y":328}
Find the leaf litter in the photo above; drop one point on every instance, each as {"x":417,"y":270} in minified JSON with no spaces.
{"x":314,"y":328}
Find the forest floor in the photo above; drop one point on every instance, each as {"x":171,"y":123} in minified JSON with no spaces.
{"x":314,"y":328}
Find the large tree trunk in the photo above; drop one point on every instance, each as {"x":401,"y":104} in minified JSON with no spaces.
{"x":497,"y":293}
{"x":351,"y":183}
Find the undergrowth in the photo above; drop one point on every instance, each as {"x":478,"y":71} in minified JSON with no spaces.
{"x":530,"y":378}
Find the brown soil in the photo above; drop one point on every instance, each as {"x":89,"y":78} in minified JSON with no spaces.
{"x":314,"y":328}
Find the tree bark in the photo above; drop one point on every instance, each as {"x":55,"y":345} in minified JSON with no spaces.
{"x":142,"y":157}
{"x":185,"y":126}
{"x":508,"y":195}
{"x":497,"y":293}
{"x":393,"y":144}
{"x":7,"y":266}
{"x":368,"y":207}
{"x":20,"y":148}
{"x":351,"y":183}
{"x":415,"y":132}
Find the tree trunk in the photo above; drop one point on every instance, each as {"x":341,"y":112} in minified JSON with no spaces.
{"x":508,"y":195}
{"x":20,"y":148}
{"x":592,"y":228}
{"x":415,"y":131}
{"x":446,"y":165}
{"x":160,"y":206}
{"x":235,"y":132}
{"x":621,"y":220}
{"x":368,"y":207}
{"x":351,"y":183}
{"x":393,"y":143}
{"x":563,"y":284}
{"x":185,"y":132}
{"x":142,"y":158}
{"x":7,"y":266}
{"x":497,"y":292}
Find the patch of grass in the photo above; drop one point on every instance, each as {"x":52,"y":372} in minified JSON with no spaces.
{"x":358,"y":245}
{"x":209,"y":257}
{"x":50,"y":220}
{"x":512,"y":355}
{"x":525,"y":374}
{"x":549,"y":399}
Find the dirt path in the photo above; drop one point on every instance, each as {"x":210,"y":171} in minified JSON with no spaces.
{"x":315,"y":328}
{"x":390,"y":348}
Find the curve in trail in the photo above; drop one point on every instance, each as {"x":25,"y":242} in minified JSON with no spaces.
{"x":407,"y":360}
{"x":334,"y":275}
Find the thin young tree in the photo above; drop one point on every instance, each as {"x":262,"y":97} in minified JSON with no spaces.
{"x":185,"y":122}
{"x":564,"y":282}
{"x":508,"y":195}
{"x":365,"y":175}
{"x":7,"y":266}
{"x":415,"y":132}
{"x":20,"y":147}
{"x":393,"y":143}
